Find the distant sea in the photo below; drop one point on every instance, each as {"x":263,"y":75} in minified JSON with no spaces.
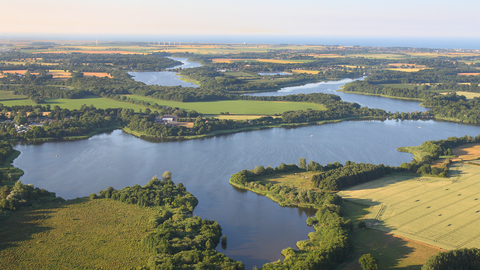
{"x":414,"y":42}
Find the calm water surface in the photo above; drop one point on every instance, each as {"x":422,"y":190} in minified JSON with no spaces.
{"x":257,"y":228}
{"x":165,"y":78}
{"x":331,"y":87}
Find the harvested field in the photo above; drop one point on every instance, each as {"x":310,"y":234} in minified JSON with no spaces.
{"x":21,"y":72}
{"x":405,"y":69}
{"x":441,"y":212}
{"x":59,"y":74}
{"x":97,"y":74}
{"x":401,"y":64}
{"x":92,"y":52}
{"x":222,"y":60}
{"x":468,"y":95}
{"x":306,"y":71}
{"x":465,"y":152}
{"x":391,"y":250}
{"x":468,"y":74}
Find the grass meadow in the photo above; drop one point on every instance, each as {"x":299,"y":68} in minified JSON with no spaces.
{"x":98,"y":102}
{"x":85,"y":234}
{"x":246,"y":107}
{"x":235,"y":107}
{"x":442,"y":212}
{"x":400,"y":85}
{"x":8,"y":95}
{"x":299,"y":180}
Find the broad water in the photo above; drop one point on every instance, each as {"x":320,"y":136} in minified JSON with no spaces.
{"x":257,"y":228}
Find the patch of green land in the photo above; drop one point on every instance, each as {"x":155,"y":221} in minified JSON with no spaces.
{"x":235,"y":106}
{"x":95,"y":234}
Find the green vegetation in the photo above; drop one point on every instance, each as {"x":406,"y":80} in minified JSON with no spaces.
{"x":330,"y":244}
{"x":235,"y":106}
{"x":454,"y":259}
{"x":136,"y":227}
{"x":368,"y":262}
{"x":79,"y":233}
{"x":178,"y":240}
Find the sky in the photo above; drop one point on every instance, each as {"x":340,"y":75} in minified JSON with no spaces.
{"x":342,"y":18}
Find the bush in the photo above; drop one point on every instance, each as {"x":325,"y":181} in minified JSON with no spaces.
{"x":368,"y":262}
{"x":362,"y":224}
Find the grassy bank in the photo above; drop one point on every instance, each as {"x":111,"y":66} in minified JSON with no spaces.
{"x":281,"y":200}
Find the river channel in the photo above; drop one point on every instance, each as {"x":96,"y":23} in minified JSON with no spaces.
{"x":257,"y":228}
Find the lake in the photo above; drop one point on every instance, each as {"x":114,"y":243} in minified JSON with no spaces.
{"x":257,"y":228}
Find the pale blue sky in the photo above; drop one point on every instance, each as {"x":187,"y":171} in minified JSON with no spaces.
{"x":373,"y":18}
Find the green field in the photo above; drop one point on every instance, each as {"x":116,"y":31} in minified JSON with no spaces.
{"x":381,"y":55}
{"x":298,"y":180}
{"x":235,"y":106}
{"x":399,"y":85}
{"x":8,"y":95}
{"x":246,"y":107}
{"x":98,"y":102}
{"x":442,"y":212}
{"x":85,"y":234}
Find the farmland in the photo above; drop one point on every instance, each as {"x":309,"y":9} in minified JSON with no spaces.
{"x":437,"y":211}
{"x":222,"y":60}
{"x":98,"y":102}
{"x":391,"y":251}
{"x":306,"y":71}
{"x":95,"y":234}
{"x":235,"y":106}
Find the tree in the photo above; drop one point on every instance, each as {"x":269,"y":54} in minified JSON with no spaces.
{"x":466,"y":258}
{"x":167,"y":175}
{"x":368,"y":262}
{"x":302,"y":163}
